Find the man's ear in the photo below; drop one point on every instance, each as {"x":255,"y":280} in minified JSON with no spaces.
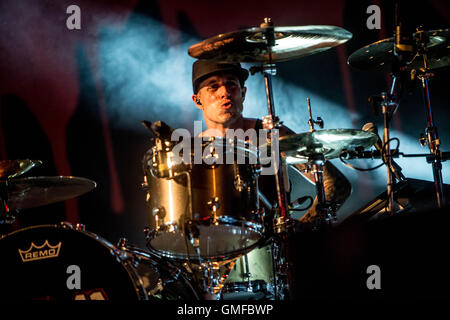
{"x":244,"y":91}
{"x":197,"y":102}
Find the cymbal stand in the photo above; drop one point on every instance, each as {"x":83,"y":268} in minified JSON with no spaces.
{"x":387,"y":110}
{"x":432,"y":138}
{"x":326,"y":210}
{"x":388,"y":103}
{"x":271,"y":122}
{"x":5,"y":215}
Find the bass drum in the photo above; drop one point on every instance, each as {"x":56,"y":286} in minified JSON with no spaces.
{"x":61,"y":262}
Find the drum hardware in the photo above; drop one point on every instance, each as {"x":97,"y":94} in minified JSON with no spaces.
{"x":311,"y":121}
{"x":428,"y":51}
{"x":325,"y":209}
{"x":253,"y":276}
{"x":314,"y":148}
{"x":23,"y":193}
{"x":80,"y":227}
{"x":388,"y":103}
{"x":6,"y":217}
{"x":431,"y":129}
{"x":267,"y":45}
{"x":287,"y":43}
{"x":13,"y":168}
{"x":122,"y":243}
{"x":199,"y":219}
{"x":10,"y":169}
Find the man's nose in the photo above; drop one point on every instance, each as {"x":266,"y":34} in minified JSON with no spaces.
{"x":223,"y":91}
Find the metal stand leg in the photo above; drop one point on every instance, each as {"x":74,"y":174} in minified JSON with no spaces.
{"x":433,"y":143}
{"x":325,"y":209}
{"x":388,"y":159}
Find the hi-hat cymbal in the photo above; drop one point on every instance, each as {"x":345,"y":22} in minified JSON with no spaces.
{"x":379,"y":56}
{"x":14,"y":168}
{"x":302,"y":147}
{"x":24,"y":193}
{"x":250,"y":45}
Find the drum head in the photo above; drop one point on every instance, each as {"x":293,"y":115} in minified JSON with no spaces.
{"x":50,"y":262}
{"x":215,"y":242}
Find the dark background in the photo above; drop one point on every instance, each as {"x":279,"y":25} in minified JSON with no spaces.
{"x":75,"y":98}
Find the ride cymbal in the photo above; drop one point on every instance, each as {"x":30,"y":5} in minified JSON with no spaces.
{"x":251,"y":45}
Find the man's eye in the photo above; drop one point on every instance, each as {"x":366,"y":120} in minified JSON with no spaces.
{"x":213,"y":87}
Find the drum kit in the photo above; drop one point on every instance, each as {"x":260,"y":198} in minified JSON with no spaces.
{"x":212,"y":233}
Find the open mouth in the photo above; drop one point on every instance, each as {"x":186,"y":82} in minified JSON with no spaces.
{"x":227,"y":104}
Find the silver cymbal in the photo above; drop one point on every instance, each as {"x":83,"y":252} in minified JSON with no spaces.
{"x":302,"y":147}
{"x":30,"y":192}
{"x":250,"y":45}
{"x":379,"y":56}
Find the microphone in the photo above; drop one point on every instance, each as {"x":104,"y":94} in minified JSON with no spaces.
{"x":394,"y":167}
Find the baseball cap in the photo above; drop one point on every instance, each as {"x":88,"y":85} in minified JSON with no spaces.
{"x":201,"y":69}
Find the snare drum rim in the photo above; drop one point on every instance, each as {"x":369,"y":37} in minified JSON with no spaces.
{"x":218,"y":258}
{"x":113,"y":250}
{"x":256,"y":227}
{"x":219,"y":142}
{"x":223,"y":220}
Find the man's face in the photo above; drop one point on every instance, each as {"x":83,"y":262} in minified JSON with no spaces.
{"x":221,"y":98}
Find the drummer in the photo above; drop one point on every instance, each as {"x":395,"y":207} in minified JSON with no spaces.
{"x":219,"y":91}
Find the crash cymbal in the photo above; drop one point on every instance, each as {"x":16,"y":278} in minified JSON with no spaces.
{"x":302,"y":147}
{"x":14,"y":168}
{"x":250,"y":45}
{"x":379,"y":56}
{"x":33,"y":192}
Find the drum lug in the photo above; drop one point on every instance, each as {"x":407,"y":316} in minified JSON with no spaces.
{"x":149,"y":233}
{"x":214,"y":204}
{"x":144,"y":184}
{"x":159,"y":213}
{"x":66,"y":225}
{"x":176,"y":274}
{"x":240,"y":184}
{"x":80,"y":227}
{"x":122,"y":243}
